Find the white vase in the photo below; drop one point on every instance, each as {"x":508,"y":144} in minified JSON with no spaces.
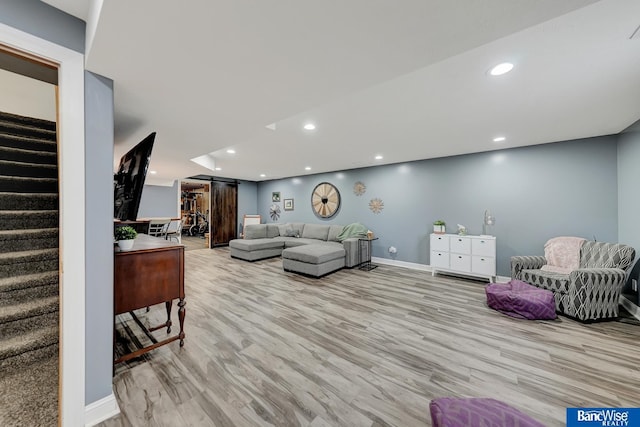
{"x":125,"y":245}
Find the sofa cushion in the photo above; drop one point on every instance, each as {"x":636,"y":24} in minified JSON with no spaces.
{"x":334,"y":232}
{"x":273,"y":230}
{"x":255,"y":244}
{"x":551,"y":281}
{"x":315,"y":231}
{"x":313,"y":254}
{"x":255,"y":231}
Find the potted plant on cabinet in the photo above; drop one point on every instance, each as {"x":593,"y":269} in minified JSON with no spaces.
{"x":125,"y":235}
{"x":439,"y":227}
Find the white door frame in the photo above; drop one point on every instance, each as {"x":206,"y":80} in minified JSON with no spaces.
{"x":72,"y":216}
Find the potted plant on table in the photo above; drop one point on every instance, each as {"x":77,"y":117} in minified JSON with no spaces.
{"x":439,"y":227}
{"x":125,"y":235}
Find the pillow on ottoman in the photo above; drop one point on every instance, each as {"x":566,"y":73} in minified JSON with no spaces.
{"x":461,"y":412}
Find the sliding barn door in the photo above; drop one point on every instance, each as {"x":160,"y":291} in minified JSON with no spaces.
{"x":224,"y":212}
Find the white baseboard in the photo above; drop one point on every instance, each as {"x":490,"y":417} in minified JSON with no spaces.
{"x":633,"y":309}
{"x":101,"y":410}
{"x":422,"y":267}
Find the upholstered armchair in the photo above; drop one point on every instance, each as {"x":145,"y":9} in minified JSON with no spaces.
{"x":590,"y":292}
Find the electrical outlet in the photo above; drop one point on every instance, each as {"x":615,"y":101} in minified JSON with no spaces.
{"x":392,"y":250}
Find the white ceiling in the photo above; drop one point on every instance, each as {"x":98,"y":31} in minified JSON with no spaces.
{"x":405,"y":79}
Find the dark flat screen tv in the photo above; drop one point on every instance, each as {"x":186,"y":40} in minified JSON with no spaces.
{"x":129,"y":180}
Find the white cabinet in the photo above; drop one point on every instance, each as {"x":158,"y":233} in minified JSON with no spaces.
{"x":466,"y":255}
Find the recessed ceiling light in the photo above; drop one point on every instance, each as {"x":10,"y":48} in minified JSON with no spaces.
{"x":308,"y":168}
{"x":153,"y":172}
{"x":218,"y":169}
{"x":499,"y":139}
{"x":309,"y":126}
{"x":262,"y":175}
{"x":378,"y":157}
{"x":501,"y":69}
{"x":230,"y":151}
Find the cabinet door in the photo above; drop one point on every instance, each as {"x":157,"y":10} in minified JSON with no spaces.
{"x":460,"y":262}
{"x":483,"y":265}
{"x":439,"y":259}
{"x":484,"y":247}
{"x":460,"y":245}
{"x":439,"y":242}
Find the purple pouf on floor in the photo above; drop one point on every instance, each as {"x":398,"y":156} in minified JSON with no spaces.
{"x":521,"y":300}
{"x":472,"y":412}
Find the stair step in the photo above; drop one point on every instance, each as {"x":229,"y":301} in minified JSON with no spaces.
{"x":27,"y":309}
{"x":35,"y":170}
{"x":28,"y":262}
{"x":28,"y":341}
{"x":28,"y":281}
{"x":28,"y":156}
{"x":24,"y":220}
{"x":28,"y":201}
{"x":27,"y":121}
{"x":21,"y":184}
{"x":21,"y":326}
{"x":26,"y":143}
{"x":26,"y":130}
{"x":23,"y":240}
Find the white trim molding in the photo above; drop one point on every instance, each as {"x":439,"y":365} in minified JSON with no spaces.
{"x":101,"y":410}
{"x":72,"y":216}
{"x":421,"y":267}
{"x":633,"y":309}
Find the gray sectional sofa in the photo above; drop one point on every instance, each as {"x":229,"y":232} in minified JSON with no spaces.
{"x":323,"y":252}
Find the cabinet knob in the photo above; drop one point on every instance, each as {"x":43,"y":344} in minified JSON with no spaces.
{"x":481,"y":241}
{"x":481,"y":259}
{"x":460,"y":257}
{"x":459,"y":240}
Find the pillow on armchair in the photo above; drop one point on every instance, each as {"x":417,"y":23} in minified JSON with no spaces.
{"x":562,"y":254}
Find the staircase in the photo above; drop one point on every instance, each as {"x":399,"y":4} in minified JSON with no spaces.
{"x":28,"y":272}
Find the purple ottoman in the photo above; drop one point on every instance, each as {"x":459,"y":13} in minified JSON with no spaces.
{"x":521,"y":300}
{"x":477,"y":412}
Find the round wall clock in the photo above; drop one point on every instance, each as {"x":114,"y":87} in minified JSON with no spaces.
{"x":325,"y":200}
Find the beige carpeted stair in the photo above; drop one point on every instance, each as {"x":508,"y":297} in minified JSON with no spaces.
{"x":29,"y":295}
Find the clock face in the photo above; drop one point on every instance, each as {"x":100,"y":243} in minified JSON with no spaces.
{"x":325,"y":200}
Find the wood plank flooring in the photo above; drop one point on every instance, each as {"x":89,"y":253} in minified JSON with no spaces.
{"x":265,"y":347}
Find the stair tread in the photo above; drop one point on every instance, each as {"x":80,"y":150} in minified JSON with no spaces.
{"x":28,"y":280}
{"x":32,"y":340}
{"x":33,"y":253}
{"x":30,"y":152}
{"x":30,"y":231}
{"x":29,"y":164}
{"x":17,"y":118}
{"x":7,"y":213}
{"x":27,"y":178}
{"x":29,"y":309}
{"x":13,"y":128}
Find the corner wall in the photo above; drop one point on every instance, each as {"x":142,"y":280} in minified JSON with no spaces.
{"x":535,"y":193}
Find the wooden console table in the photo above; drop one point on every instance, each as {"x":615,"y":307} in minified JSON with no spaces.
{"x":152,"y":272}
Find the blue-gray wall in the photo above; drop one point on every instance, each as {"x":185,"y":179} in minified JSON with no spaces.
{"x":247,"y":201}
{"x":535,"y":193}
{"x":159,"y":202}
{"x":98,"y":236}
{"x":44,"y":21}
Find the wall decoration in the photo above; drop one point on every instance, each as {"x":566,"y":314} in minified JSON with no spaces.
{"x":325,"y":200}
{"x":376,"y":205}
{"x":359,"y":188}
{"x":288,"y":204}
{"x":274,"y":212}
{"x":275,"y":196}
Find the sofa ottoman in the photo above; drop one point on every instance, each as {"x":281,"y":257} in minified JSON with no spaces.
{"x":521,"y":300}
{"x":458,"y":412}
{"x":313,"y":260}
{"x":255,"y":249}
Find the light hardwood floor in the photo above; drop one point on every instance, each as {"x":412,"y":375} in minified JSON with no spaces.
{"x":356,"y":348}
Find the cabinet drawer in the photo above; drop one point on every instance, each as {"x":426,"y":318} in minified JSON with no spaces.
{"x":483,"y":265}
{"x":439,"y":243}
{"x":460,"y":245}
{"x":484,"y":247}
{"x":439,"y":259}
{"x":460,"y":262}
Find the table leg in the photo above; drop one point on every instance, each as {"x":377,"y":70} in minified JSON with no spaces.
{"x":169,"y":304}
{"x":181,"y":314}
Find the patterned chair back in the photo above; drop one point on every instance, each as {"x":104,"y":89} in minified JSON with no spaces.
{"x":606,"y":255}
